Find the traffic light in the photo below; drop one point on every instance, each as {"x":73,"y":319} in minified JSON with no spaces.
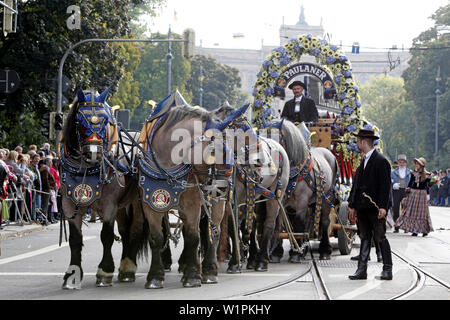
{"x":9,"y":16}
{"x":189,"y":44}
{"x":45,"y":125}
{"x":59,"y":121}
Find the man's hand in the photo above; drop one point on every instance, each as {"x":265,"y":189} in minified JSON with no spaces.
{"x":381,"y":213}
{"x":352,"y":215}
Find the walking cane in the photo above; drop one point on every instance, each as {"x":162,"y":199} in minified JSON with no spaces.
{"x":373,"y":202}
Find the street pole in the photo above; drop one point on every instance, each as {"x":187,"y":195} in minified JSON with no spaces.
{"x":201,"y":87}
{"x":70,"y":50}
{"x":169,"y":63}
{"x":436,"y":137}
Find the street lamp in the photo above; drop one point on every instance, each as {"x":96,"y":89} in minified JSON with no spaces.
{"x":437,"y":92}
{"x":169,"y":63}
{"x":200,"y":78}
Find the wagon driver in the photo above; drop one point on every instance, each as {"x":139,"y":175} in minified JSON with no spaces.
{"x":300,"y":108}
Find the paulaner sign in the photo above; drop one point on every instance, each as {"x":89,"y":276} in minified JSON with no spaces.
{"x":305,"y":68}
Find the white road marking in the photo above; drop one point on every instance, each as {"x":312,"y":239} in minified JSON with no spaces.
{"x":38,"y":252}
{"x":140,"y":274}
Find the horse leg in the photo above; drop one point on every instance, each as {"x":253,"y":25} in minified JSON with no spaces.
{"x":130,"y":223}
{"x":267,"y":233}
{"x":250,"y":238}
{"x":209,"y":263}
{"x":191,"y":235}
{"x":155,"y":276}
{"x":325,"y":248}
{"x":276,"y":252}
{"x":105,"y":269}
{"x":233,"y":263}
{"x":166,"y":254}
{"x":74,"y":274}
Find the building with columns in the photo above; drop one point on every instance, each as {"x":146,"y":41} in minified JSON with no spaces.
{"x":364,"y":64}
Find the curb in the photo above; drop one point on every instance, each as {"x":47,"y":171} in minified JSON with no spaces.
{"x":16,"y":231}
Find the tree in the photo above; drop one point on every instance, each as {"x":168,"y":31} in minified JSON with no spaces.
{"x":381,"y":98}
{"x":220,"y":83}
{"x":431,"y":51}
{"x":152,"y":75}
{"x":36,"y":49}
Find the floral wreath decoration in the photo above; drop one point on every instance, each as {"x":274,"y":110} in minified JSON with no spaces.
{"x":330,"y":58}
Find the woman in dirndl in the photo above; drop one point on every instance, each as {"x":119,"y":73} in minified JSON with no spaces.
{"x":416,"y":215}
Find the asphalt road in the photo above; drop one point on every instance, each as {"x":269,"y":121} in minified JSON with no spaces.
{"x":32,"y":267}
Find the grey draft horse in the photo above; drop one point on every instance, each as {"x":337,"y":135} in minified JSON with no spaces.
{"x":165,"y":156}
{"x":93,"y":176}
{"x":266,"y":168}
{"x":304,"y":162}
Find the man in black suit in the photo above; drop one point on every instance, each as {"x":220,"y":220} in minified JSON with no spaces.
{"x":300,"y":108}
{"x":372,"y":184}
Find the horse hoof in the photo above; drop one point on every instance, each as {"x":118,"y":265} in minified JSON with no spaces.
{"x":154,"y":284}
{"x":210,"y":279}
{"x":251,"y":264}
{"x":262,"y":266}
{"x":233,"y":269}
{"x":70,"y":286}
{"x":192,"y":283}
{"x":126,"y":277}
{"x":275,"y":259}
{"x":104,"y":282}
{"x":325,"y":256}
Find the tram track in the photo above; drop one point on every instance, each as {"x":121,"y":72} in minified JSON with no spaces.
{"x":420,"y":276}
{"x":313,"y":270}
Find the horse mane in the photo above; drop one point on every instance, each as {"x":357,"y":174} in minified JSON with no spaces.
{"x":69,"y":138}
{"x":223,"y":111}
{"x":296,"y":147}
{"x":178,"y":113}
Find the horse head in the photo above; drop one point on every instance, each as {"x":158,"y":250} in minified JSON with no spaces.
{"x":94,"y":118}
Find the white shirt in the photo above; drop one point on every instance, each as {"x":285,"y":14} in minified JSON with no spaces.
{"x":297,"y":104}
{"x":367,"y":157}
{"x":402,"y":172}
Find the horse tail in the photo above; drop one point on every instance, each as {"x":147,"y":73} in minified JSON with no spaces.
{"x":143,"y":234}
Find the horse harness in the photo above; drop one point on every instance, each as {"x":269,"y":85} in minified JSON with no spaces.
{"x":162,"y":188}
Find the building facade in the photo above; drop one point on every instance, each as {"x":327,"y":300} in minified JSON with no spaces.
{"x":364,"y":64}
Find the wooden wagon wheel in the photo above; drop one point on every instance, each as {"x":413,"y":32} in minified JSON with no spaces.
{"x":345,"y":237}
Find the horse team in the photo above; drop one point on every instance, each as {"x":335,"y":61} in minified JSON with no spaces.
{"x":215,"y":173}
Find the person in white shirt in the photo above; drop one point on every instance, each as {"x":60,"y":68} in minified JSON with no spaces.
{"x":400,"y":179}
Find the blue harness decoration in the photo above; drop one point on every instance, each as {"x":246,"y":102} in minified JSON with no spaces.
{"x":84,"y":185}
{"x":82,"y":190}
{"x":162,"y":189}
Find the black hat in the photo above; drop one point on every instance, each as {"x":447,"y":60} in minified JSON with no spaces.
{"x":297,"y":83}
{"x":363,"y":133}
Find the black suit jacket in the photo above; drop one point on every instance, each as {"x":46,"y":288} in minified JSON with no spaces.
{"x":374,"y":180}
{"x":308,"y":111}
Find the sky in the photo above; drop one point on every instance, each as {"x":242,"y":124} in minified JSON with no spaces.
{"x":378,"y":24}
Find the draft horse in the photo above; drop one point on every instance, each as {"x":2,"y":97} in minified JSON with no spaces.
{"x":177,"y":174}
{"x":94,"y":174}
{"x":310,"y":193}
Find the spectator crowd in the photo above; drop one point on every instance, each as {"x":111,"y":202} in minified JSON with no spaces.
{"x":30,"y":184}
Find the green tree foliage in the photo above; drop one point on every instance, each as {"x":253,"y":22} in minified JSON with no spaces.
{"x":430,"y":51}
{"x":152,"y":76}
{"x":381,"y":98}
{"x":220,"y":83}
{"x":35,"y":51}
